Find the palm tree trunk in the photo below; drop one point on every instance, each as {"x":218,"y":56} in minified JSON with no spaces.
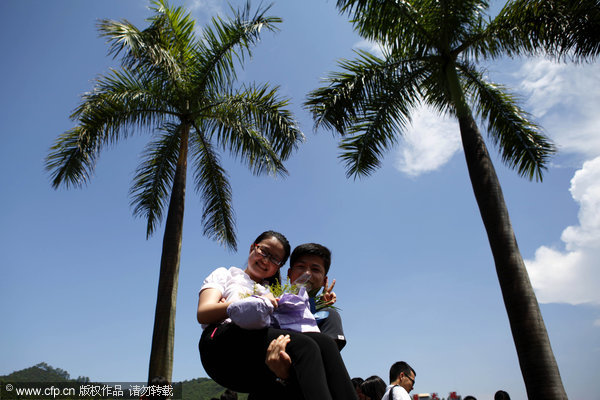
{"x":536,"y":359}
{"x":161,"y":355}
{"x":538,"y":365}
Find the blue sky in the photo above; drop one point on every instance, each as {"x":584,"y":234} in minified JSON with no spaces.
{"x":416,"y":279}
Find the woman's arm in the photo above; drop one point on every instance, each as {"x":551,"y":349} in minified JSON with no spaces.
{"x":210,"y":307}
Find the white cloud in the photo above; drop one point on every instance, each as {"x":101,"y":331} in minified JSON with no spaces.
{"x":597,"y":322}
{"x":204,"y":10}
{"x":370,"y":46}
{"x":565,"y":99}
{"x":430,"y":143}
{"x":572,"y":276}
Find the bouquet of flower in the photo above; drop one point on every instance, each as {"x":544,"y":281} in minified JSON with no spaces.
{"x":303,"y":281}
{"x":293,"y":311}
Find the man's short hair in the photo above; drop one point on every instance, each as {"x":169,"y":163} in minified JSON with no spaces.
{"x":501,"y":395}
{"x":397,"y":368}
{"x":312,"y":249}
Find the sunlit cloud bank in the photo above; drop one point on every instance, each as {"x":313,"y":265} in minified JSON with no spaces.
{"x":572,"y":276}
{"x":565,"y":99}
{"x":428,"y":144}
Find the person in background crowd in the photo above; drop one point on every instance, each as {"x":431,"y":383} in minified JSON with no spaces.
{"x":402,"y":381}
{"x":373,"y":388}
{"x":356,"y":382}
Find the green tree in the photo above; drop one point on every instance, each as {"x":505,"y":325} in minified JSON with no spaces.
{"x":430,"y":50}
{"x":181,"y":88}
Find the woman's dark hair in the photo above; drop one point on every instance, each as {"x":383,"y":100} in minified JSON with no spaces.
{"x":373,"y":387}
{"x":286,"y":247}
{"x":357,"y":382}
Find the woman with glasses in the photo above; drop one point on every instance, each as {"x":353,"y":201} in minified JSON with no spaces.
{"x":235,"y":357}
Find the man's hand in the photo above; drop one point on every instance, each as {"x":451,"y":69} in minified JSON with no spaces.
{"x":277,"y":359}
{"x":329,"y":296}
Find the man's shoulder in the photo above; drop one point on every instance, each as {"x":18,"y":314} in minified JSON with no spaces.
{"x":395,"y":392}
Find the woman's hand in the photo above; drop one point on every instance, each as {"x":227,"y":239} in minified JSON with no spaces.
{"x":269,"y":296}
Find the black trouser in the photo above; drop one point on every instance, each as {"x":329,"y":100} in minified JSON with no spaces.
{"x":235,"y":358}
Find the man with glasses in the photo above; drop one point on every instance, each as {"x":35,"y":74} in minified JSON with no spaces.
{"x":402,"y":380}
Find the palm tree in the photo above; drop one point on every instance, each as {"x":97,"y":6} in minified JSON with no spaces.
{"x":430,"y":50}
{"x":180,"y":87}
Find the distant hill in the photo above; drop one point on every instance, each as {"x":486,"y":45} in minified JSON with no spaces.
{"x":204,"y":389}
{"x":42,"y":372}
{"x":195,"y":389}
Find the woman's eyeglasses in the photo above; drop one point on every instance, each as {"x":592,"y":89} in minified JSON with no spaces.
{"x":267,"y":255}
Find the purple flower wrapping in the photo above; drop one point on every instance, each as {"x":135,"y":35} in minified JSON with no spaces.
{"x":252,"y":312}
{"x":293,"y":313}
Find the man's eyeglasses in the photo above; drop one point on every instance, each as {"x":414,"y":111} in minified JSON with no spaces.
{"x":411,"y":379}
{"x":267,"y":255}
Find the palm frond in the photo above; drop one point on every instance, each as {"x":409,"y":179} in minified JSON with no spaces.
{"x":456,"y":20}
{"x":337,"y":105}
{"x":256,"y":125}
{"x":118,"y":103}
{"x":212,"y":184}
{"x":246,"y":143}
{"x":520,"y":141}
{"x":164,"y":49}
{"x":434,"y":86}
{"x":121,"y":101}
{"x":562,"y":28}
{"x":481,"y":41}
{"x":73,"y":157}
{"x":394,"y":23}
{"x":146,"y":51}
{"x":180,"y":27}
{"x":378,"y":127}
{"x":154,"y":177}
{"x":225,"y":42}
{"x":370,"y":103}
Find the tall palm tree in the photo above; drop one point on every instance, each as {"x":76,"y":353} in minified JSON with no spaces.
{"x":430,"y":50}
{"x":181,"y":88}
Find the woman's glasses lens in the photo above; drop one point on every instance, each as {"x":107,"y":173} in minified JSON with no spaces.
{"x":265,"y":254}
